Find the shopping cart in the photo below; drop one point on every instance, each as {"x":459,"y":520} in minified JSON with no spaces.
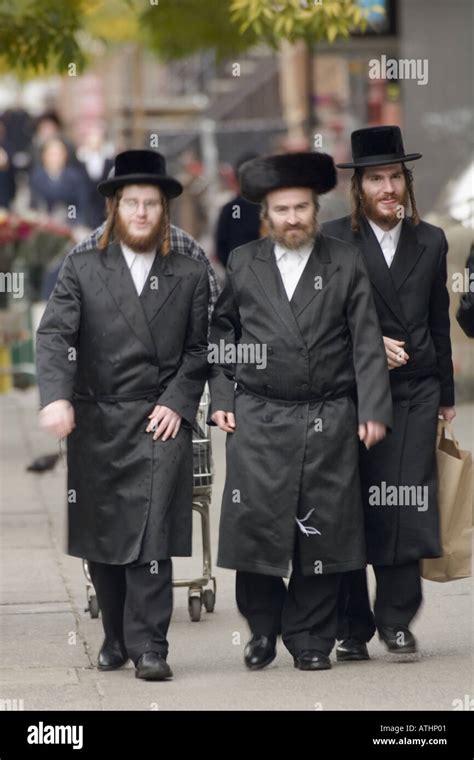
{"x":198,"y":595}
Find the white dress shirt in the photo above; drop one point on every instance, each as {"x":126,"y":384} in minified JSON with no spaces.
{"x":291,"y":264}
{"x":388,"y":240}
{"x":139,"y":265}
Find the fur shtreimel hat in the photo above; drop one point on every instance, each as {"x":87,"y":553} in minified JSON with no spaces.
{"x":262,"y":175}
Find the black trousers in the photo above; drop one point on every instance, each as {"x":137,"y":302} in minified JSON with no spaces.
{"x":398,"y":599}
{"x":136,"y":603}
{"x":305,"y":613}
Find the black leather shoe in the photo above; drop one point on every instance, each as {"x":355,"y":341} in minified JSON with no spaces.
{"x":352,"y":650}
{"x":399,"y":640}
{"x":112,"y":655}
{"x":260,"y":652}
{"x":152,"y":667}
{"x":310,"y":659}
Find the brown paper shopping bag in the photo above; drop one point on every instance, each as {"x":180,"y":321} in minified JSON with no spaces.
{"x":455,"y":508}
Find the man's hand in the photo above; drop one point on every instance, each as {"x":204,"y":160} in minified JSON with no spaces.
{"x":371,"y":433}
{"x":447,"y":413}
{"x":163,"y":423}
{"x":57,"y":418}
{"x":396,"y":356}
{"x":224,"y":420}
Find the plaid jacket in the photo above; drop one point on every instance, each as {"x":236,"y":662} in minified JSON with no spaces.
{"x":181,"y":242}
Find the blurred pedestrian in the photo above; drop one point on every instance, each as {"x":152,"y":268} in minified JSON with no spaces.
{"x":96,"y":156}
{"x":57,"y":187}
{"x":7,"y":172}
{"x":48,"y":126}
{"x":239,"y":220}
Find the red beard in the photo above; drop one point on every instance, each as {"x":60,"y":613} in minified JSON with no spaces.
{"x":393,"y":217}
{"x":139,"y":243}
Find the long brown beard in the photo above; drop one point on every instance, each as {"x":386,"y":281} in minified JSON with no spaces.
{"x":139,"y":243}
{"x":308,"y":233}
{"x":370,"y":210}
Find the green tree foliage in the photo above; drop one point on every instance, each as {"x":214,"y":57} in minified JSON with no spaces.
{"x":39,"y":35}
{"x":44,"y":36}
{"x":292,"y":20}
{"x":179,"y":28}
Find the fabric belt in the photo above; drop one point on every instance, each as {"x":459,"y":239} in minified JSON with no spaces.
{"x":151,"y":395}
{"x":349,"y":393}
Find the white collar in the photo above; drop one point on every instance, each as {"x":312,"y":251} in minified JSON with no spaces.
{"x":301,"y":252}
{"x":130,"y":254}
{"x":394,"y":232}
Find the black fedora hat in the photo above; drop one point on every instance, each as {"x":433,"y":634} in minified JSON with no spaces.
{"x":262,"y":175}
{"x":140,"y":167}
{"x":377,"y":146}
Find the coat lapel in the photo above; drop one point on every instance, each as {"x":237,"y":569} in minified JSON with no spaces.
{"x":407,"y":254}
{"x":117,"y":278}
{"x":161,"y":282}
{"x":380,"y":274}
{"x":267,"y":273}
{"x":318,"y":271}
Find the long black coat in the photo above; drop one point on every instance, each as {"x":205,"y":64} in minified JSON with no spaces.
{"x":294,"y":453}
{"x":412,"y":303}
{"x":129,"y":498}
{"x":465,"y":313}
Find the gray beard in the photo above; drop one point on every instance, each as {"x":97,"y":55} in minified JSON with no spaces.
{"x":280,"y":237}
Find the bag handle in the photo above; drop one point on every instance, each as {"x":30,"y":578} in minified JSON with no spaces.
{"x":443,"y":428}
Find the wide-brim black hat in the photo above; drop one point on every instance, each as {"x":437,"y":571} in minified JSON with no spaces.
{"x":140,"y":167}
{"x":377,"y":146}
{"x":262,"y":175}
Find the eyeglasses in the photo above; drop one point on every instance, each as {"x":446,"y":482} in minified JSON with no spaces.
{"x":131,"y":204}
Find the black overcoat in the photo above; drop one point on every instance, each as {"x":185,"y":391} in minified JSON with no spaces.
{"x":412,"y":303}
{"x":115,"y":355}
{"x":292,"y":462}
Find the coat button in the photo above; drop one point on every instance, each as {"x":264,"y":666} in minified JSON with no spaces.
{"x":304,"y":386}
{"x":304,"y":352}
{"x":269,"y":387}
{"x":151,"y":399}
{"x":267,"y":418}
{"x":269,"y":350}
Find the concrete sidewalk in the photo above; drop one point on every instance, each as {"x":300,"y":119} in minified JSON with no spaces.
{"x":49,"y":645}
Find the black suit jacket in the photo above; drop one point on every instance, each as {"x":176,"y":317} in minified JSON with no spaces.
{"x":411,"y":296}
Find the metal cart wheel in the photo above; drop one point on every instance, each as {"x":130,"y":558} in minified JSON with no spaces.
{"x":194,"y":608}
{"x":209,"y":600}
